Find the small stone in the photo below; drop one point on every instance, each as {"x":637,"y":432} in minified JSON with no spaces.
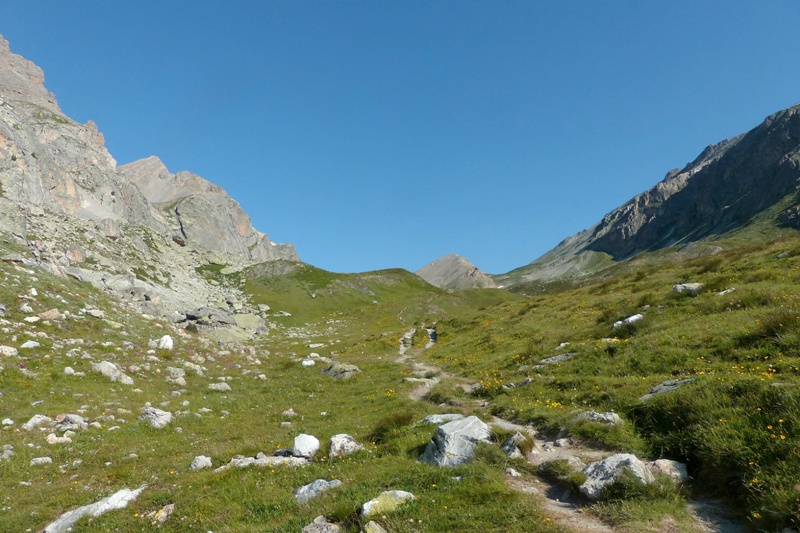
{"x":373,"y":527}
{"x":8,"y":422}
{"x":40,"y":461}
{"x":96,"y":313}
{"x":29,"y":344}
{"x":200,"y":462}
{"x":510,"y":472}
{"x":314,"y":489}
{"x":308,"y":362}
{"x":289,"y":412}
{"x":155,"y":417}
{"x":689,"y":288}
{"x":220,"y":387}
{"x":321,"y":525}
{"x":165,"y":343}
{"x":53,"y":439}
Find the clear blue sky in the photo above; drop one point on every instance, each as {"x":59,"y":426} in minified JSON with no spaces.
{"x":377,"y":134}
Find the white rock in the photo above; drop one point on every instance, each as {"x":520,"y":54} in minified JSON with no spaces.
{"x":110,"y":370}
{"x":155,"y":417}
{"x":305,"y":445}
{"x":220,"y":387}
{"x":343,"y":444}
{"x":31,"y":319}
{"x":118,"y":500}
{"x":52,"y":438}
{"x":40,"y":461}
{"x":674,"y":470}
{"x":36,"y":421}
{"x":96,"y":313}
{"x":610,"y":418}
{"x":200,"y":462}
{"x":630,"y":320}
{"x":165,"y":343}
{"x":689,"y":288}
{"x":68,"y":370}
{"x":8,"y":422}
{"x":8,"y":351}
{"x":603,"y":473}
{"x":308,"y":362}
{"x":30,"y":344}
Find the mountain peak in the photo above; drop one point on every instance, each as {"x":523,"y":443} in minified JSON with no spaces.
{"x":21,"y":80}
{"x":453,"y":272}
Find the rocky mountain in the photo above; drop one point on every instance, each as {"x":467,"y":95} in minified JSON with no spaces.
{"x":453,"y":272}
{"x":723,"y":189}
{"x":137,"y":231}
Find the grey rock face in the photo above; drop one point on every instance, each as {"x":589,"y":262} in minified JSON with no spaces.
{"x":453,"y":272}
{"x":201,"y":214}
{"x":454,"y":443}
{"x":722,"y":189}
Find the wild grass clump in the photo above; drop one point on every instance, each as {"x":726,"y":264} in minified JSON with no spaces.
{"x":388,"y":427}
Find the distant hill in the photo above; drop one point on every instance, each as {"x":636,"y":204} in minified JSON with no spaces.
{"x":453,"y":272}
{"x":724,"y":189}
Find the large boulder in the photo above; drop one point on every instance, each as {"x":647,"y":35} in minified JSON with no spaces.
{"x":602,"y":474}
{"x":454,"y":443}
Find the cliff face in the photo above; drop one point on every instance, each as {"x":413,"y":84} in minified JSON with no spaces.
{"x":202,"y":214}
{"x":49,"y":162}
{"x":137,"y":231}
{"x":723,"y":189}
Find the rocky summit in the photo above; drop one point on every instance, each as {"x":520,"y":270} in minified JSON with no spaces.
{"x":137,"y":230}
{"x":725,"y":188}
{"x":453,"y":272}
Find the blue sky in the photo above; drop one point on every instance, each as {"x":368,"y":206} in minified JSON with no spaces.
{"x":378,"y":134}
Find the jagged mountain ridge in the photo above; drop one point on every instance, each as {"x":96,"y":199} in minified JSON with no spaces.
{"x":202,"y":213}
{"x":453,"y":272}
{"x":722,"y":189}
{"x":136,"y":231}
